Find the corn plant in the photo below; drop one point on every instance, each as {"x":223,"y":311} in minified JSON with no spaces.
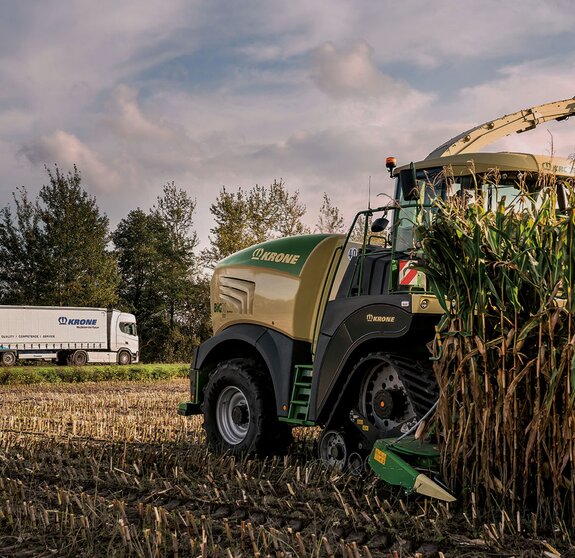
{"x":507,"y":368}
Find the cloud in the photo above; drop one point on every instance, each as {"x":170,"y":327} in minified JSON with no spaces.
{"x":128,"y":121}
{"x":524,"y":84}
{"x":67,"y":150}
{"x":352,"y":73}
{"x":450,"y":34}
{"x":213,"y":93}
{"x":516,"y":87}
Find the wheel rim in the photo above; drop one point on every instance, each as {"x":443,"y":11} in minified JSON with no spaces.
{"x":355,"y":464}
{"x":8,"y":359}
{"x":233,"y":415}
{"x":332,"y":449}
{"x":384,"y":400}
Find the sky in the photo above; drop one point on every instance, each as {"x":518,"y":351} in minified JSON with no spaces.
{"x":208,"y":94}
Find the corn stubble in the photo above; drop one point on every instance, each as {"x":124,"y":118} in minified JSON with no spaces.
{"x":506,"y":365}
{"x":109,"y":469}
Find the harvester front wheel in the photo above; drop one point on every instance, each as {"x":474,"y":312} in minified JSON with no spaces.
{"x":239,"y":412}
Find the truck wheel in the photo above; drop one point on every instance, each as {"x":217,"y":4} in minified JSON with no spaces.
{"x":239,"y":409}
{"x":61,"y":358}
{"x":78,"y":358}
{"x":124,"y":358}
{"x":8,"y":358}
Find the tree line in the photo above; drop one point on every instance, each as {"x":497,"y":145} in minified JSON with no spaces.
{"x":58,"y":250}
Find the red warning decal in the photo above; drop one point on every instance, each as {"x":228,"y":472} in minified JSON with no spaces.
{"x":409,"y":276}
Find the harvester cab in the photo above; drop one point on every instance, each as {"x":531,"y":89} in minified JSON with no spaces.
{"x":333,"y":331}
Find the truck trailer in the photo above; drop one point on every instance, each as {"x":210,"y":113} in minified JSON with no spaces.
{"x":67,"y":335}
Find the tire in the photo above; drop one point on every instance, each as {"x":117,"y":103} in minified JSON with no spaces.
{"x":124,"y":358}
{"x":61,"y":358}
{"x":8,"y":358}
{"x":78,"y":358}
{"x":239,"y":410}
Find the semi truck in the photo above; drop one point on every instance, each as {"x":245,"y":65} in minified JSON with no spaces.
{"x":67,"y":335}
{"x":316,"y":330}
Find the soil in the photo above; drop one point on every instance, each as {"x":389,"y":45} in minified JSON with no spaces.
{"x":110,"y":469}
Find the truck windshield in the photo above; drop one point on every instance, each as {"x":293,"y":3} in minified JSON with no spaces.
{"x":129,"y":328}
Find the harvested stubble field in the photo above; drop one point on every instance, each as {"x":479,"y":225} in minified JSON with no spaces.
{"x":109,"y":469}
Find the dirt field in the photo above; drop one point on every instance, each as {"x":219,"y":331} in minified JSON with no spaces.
{"x":110,"y":469}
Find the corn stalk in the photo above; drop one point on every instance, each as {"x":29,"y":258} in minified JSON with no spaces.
{"x":507,"y":369}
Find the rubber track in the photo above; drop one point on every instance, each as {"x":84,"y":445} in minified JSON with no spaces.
{"x":419,"y":381}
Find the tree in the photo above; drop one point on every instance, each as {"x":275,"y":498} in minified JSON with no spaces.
{"x":140,"y":263}
{"x":21,"y":252}
{"x":232,"y":232}
{"x":274,"y":212}
{"x":135,"y":239}
{"x":175,"y":211}
{"x":80,"y":270}
{"x":54,"y":250}
{"x":330,"y":219}
{"x":358,"y":233}
{"x":247,"y":218}
{"x":161,"y":282}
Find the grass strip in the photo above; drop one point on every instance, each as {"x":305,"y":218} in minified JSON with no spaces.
{"x":25,"y":375}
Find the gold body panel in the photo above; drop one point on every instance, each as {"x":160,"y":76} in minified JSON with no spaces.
{"x":288,"y":303}
{"x":467,"y":163}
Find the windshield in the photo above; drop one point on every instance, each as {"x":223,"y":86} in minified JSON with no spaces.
{"x":517,"y":191}
{"x":129,"y":328}
{"x":418,"y":211}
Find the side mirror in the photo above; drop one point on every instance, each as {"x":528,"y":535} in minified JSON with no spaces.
{"x":379,"y":225}
{"x":408,"y":183}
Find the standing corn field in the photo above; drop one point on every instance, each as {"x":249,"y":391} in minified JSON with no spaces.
{"x":503,"y":269}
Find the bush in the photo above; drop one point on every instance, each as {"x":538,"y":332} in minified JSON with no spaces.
{"x":74,"y":374}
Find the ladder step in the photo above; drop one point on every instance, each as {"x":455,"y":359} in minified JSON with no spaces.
{"x":301,"y":392}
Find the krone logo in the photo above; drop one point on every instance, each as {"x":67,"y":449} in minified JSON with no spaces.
{"x":62,"y":320}
{"x":558,"y":168}
{"x":277,"y":257}
{"x":381,"y":319}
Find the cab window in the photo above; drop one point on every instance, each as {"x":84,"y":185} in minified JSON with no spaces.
{"x":129,"y":328}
